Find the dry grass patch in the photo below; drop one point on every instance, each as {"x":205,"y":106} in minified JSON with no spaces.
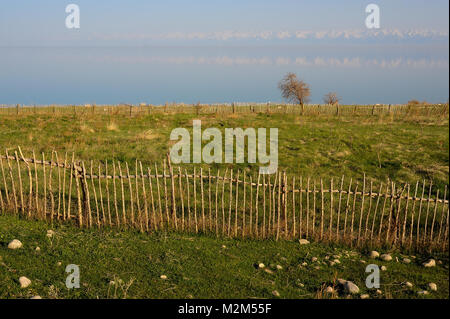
{"x":112,"y":127}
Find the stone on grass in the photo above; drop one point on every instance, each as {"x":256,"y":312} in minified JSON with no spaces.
{"x":268,"y":271}
{"x":383,"y":268}
{"x":386,"y":257}
{"x":261,"y":265}
{"x":303,"y":242}
{"x":305,"y":264}
{"x":15,"y":244}
{"x":379,"y":292}
{"x":163,"y":277}
{"x":374,"y":254}
{"x":408,"y":284}
{"x":429,"y":263}
{"x":423,"y":292}
{"x":38,"y":249}
{"x":279,"y":267}
{"x":406,"y":260}
{"x":365,"y":296}
{"x":50,"y":233}
{"x":314,"y":259}
{"x":329,"y":290}
{"x":337,"y":261}
{"x":36,"y":297}
{"x":276,"y":293}
{"x":349,"y":286}
{"x":24,"y":282}
{"x":432,"y":286}
{"x":362,"y":261}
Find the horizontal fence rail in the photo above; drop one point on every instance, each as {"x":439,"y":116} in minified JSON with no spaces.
{"x":229,"y":203}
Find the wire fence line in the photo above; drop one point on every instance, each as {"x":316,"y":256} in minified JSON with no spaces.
{"x":231,"y":203}
{"x":431,"y":110}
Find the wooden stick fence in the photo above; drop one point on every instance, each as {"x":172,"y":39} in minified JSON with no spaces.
{"x":233,"y":204}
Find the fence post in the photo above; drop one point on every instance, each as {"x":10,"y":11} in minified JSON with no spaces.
{"x":79,"y":199}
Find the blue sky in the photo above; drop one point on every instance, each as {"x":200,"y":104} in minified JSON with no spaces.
{"x":42,"y":22}
{"x":221,"y":51}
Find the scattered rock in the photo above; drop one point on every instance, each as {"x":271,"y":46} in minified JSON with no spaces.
{"x":38,"y":249}
{"x":163,"y":277}
{"x":362,"y":261}
{"x":314,"y":259}
{"x":58,"y":263}
{"x":337,"y":261}
{"x":300,"y":284}
{"x":332,"y":263}
{"x":15,"y":244}
{"x":432,"y":286}
{"x":276,"y":293}
{"x":268,"y":271}
{"x":349,"y":286}
{"x":303,"y":242}
{"x":50,"y":233}
{"x":279,"y":267}
{"x":223,"y":246}
{"x":261,"y":265}
{"x":386,"y":257}
{"x":383,"y":268}
{"x":429,"y":263}
{"x":36,"y":297}
{"x":365,"y":296}
{"x":24,"y":282}
{"x":406,"y":260}
{"x":408,"y":284}
{"x":329,"y":290}
{"x":423,"y":292}
{"x":341,"y":281}
{"x":305,"y":264}
{"x":379,"y":292}
{"x":374,"y":254}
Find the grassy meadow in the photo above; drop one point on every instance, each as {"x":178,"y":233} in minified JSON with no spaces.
{"x":404,"y":147}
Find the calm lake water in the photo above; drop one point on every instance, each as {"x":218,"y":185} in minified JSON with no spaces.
{"x":208,"y":74}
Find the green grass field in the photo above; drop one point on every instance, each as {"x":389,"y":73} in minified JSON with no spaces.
{"x":403,"y":148}
{"x":127,"y":264}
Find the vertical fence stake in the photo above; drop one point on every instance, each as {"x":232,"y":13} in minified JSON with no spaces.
{"x":13,"y":187}
{"x":4,"y":181}
{"x":172,"y":180}
{"x":230,"y":203}
{"x":87,"y":197}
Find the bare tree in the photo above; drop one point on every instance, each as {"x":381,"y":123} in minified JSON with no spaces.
{"x":331,"y":98}
{"x":294,"y":90}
